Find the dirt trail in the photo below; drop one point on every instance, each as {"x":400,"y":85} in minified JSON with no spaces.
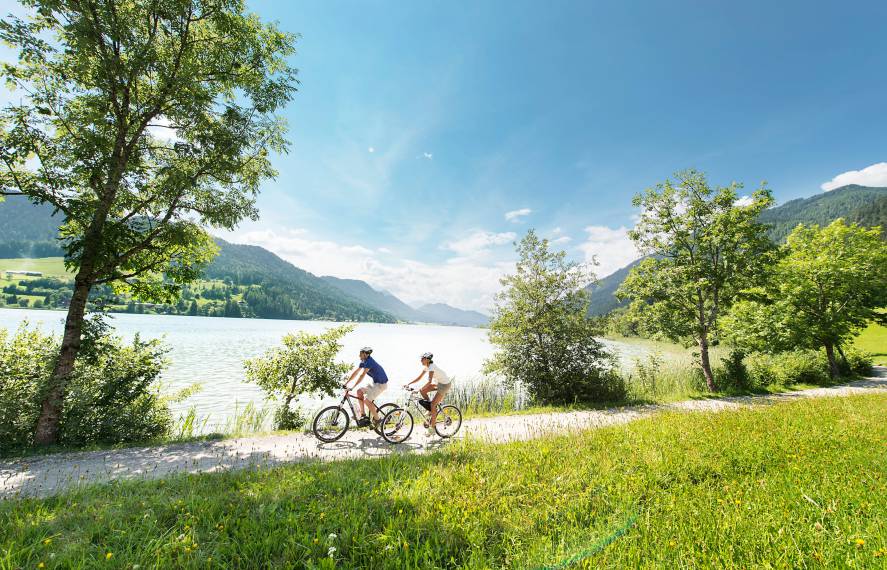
{"x":50,"y":474}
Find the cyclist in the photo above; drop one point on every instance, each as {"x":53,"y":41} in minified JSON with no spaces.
{"x":368,"y":366}
{"x":437,"y":380}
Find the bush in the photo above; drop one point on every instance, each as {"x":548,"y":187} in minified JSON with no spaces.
{"x":112,"y":397}
{"x":787,"y":368}
{"x":858,"y":363}
{"x":732,"y":374}
{"x":289,"y":418}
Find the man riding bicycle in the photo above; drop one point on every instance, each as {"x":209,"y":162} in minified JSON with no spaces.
{"x":368,"y":366}
{"x":437,"y":380}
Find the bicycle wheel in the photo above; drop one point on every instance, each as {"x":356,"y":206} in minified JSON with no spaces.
{"x":383,"y":409}
{"x":397,"y":425}
{"x":330,"y":424}
{"x":449,"y":420}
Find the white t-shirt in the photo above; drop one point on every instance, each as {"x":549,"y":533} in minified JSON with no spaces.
{"x":440,"y":377}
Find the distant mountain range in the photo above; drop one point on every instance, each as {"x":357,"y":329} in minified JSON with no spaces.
{"x":255,"y":281}
{"x":860,"y":204}
{"x":438,"y":313}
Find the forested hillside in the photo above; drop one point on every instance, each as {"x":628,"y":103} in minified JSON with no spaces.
{"x":861,"y":204}
{"x":242,"y":281}
{"x":854,"y":203}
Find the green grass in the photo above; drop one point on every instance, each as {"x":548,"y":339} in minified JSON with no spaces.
{"x":874,"y":341}
{"x":49,"y":266}
{"x":800,"y":485}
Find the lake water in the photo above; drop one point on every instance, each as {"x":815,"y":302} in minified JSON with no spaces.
{"x":211,"y":351}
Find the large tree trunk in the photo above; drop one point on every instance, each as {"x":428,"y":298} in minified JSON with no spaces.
{"x":47,"y":430}
{"x":706,"y":363}
{"x":833,"y":370}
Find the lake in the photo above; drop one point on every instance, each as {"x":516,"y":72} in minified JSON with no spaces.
{"x":211,"y":350}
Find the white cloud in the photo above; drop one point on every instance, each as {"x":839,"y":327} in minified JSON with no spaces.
{"x":744,"y":201}
{"x":557,"y":231}
{"x":515,"y":216}
{"x":371,"y":150}
{"x":463,"y":282}
{"x":612,"y":248}
{"x":384,"y":250}
{"x":427,"y":155}
{"x":874,"y":175}
{"x":478,"y":243}
{"x":161,"y":128}
{"x":561,"y":239}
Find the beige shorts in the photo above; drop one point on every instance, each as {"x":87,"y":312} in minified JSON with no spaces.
{"x":374,"y":390}
{"x":442,"y":389}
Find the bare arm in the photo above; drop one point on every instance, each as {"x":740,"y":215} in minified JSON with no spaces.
{"x":362,"y":372}
{"x":419,"y":377}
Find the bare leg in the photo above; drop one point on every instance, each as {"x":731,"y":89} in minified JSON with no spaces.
{"x":438,"y":398}
{"x":360,"y":401}
{"x":373,"y":409}
{"x":424,"y":390}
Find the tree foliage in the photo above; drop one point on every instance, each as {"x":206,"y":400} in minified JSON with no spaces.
{"x":305,"y":364}
{"x":141,"y":122}
{"x":704,"y":246}
{"x":828,"y":285}
{"x":539,"y":326}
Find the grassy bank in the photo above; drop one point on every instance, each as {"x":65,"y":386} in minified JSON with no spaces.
{"x":793,"y":485}
{"x":874,"y":341}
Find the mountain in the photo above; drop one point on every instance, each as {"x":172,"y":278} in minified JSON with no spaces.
{"x":446,"y":315}
{"x":255,"y":282}
{"x":602,"y":295}
{"x":278,"y":289}
{"x":853,"y":203}
{"x":437,"y":313}
{"x":381,"y":300}
{"x":28,"y":230}
{"x":864,"y":205}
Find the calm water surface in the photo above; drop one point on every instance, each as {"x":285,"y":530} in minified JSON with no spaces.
{"x":211,"y":351}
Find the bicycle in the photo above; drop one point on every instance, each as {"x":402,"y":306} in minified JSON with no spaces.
{"x":397,"y":424}
{"x":331,"y":423}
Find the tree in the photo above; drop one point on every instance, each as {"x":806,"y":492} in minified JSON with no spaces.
{"x":142,"y":122}
{"x":828,"y":285}
{"x":704,"y":246}
{"x":305,"y":364}
{"x":539,"y":326}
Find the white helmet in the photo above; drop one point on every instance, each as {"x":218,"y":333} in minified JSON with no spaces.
{"x":428,"y":355}
{"x":367,"y":350}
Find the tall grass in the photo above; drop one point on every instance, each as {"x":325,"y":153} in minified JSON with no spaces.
{"x":487,"y":395}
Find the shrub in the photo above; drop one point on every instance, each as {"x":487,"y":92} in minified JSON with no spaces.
{"x":111,"y":398}
{"x":732,"y":373}
{"x":858,"y":362}
{"x":305,"y":364}
{"x":787,"y":368}
{"x":26,"y":359}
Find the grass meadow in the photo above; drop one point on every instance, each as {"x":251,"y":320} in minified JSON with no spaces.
{"x":795,"y":485}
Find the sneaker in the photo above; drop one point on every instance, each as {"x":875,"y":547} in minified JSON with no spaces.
{"x":430,"y":431}
{"x":363,"y":422}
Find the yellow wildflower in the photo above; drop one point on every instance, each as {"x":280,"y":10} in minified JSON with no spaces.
{"x":41,"y":565}
{"x":108,"y":556}
{"x":47,"y":541}
{"x":860,"y":543}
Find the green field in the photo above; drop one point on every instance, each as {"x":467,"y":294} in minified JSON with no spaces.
{"x":49,"y":266}
{"x":800,"y":485}
{"x":874,"y":341}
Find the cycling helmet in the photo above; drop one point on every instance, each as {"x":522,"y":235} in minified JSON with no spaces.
{"x":428,"y":355}
{"x":367,"y":350}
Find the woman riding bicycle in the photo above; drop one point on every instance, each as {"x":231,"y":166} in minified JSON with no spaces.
{"x":437,"y":380}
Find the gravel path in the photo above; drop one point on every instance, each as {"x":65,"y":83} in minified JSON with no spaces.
{"x":50,"y":474}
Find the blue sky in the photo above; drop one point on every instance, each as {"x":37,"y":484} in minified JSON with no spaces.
{"x":419,"y":125}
